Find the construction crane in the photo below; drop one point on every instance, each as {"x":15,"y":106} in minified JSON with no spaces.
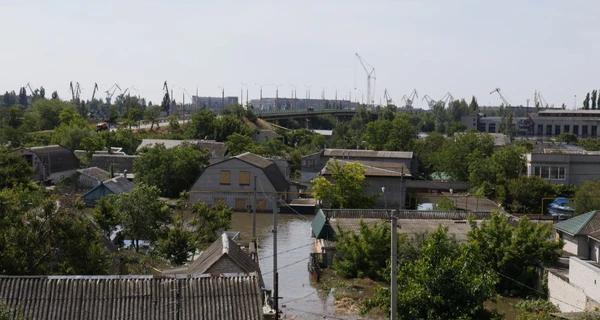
{"x":388,"y":98}
{"x":446,"y":99}
{"x":370,"y":78}
{"x":95,"y":89}
{"x":506,"y":103}
{"x":75,"y":91}
{"x":109,"y":93}
{"x":430,"y":102}
{"x":411,"y":98}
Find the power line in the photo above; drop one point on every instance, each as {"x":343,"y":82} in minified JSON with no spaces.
{"x":292,"y":249}
{"x":288,"y":265}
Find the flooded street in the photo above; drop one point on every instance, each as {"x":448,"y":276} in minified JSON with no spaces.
{"x":294,"y":245}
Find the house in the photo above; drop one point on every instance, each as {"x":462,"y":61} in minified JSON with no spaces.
{"x":205,"y":296}
{"x":581,"y":235}
{"x":115,"y":186}
{"x":224,"y":256}
{"x":383,"y":178}
{"x":51,"y":163}
{"x":232,"y":181}
{"x":564,"y":166}
{"x":326,"y":223}
{"x":313,"y":164}
{"x":114,"y":163}
{"x":216,"y":149}
{"x":91,"y":177}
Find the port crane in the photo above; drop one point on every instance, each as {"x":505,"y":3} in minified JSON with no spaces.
{"x":388,"y":98}
{"x":430,"y":101}
{"x":75,"y":91}
{"x":370,"y":71}
{"x":109,"y":93}
{"x":506,"y":103}
{"x":410,"y":99}
{"x":539,"y":99}
{"x":31,"y":90}
{"x":446,"y":99}
{"x":95,"y":89}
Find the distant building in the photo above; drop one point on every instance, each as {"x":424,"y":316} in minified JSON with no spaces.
{"x":51,"y":163}
{"x":212,"y":103}
{"x":273,"y":104}
{"x":114,"y":163}
{"x":91,"y":177}
{"x":568,"y":167}
{"x":491,"y":124}
{"x":582,"y":123}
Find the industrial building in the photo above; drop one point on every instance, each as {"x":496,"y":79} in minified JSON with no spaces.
{"x":301,"y":104}
{"x":583,"y":123}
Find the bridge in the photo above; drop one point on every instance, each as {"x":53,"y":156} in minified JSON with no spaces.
{"x":291,"y":114}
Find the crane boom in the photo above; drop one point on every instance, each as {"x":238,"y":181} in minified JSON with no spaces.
{"x":29,"y":86}
{"x":109,"y":94}
{"x":370,"y":77}
{"x":388,"y":98}
{"x":506,"y":103}
{"x":411,"y":98}
{"x":95,"y":89}
{"x":430,"y":101}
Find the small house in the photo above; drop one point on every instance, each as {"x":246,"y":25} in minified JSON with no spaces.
{"x":115,"y":185}
{"x":581,"y":235}
{"x":50,"y":163}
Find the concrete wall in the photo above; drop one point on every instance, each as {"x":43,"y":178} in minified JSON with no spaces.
{"x":586,"y":276}
{"x":594,"y":250}
{"x":578,"y":167}
{"x":395,"y":191}
{"x":576,"y":245}
{"x":225,"y":265}
{"x":566,"y":296}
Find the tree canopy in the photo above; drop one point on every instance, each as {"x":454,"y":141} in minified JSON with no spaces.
{"x":345,"y":189}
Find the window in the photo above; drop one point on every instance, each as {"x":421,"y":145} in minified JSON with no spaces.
{"x":492,"y":128}
{"x":225,"y":177}
{"x":576,"y":130}
{"x":548,"y":129}
{"x":594,"y":131}
{"x":240,"y":204}
{"x":566,"y":128}
{"x":540,"y":130}
{"x":584,"y":131}
{"x":244,"y":178}
{"x":556,"y":130}
{"x":550,"y":173}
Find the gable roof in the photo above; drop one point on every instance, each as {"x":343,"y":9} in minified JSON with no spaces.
{"x":120,"y":162}
{"x":223,"y":247}
{"x":357,"y":153}
{"x":269,"y":167}
{"x":321,"y":227}
{"x":216,"y":149}
{"x":95,"y":173}
{"x":56,"y":158}
{"x":583,"y":224}
{"x":227,"y":296}
{"x":119,"y":184}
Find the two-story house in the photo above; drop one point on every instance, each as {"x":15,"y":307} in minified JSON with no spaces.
{"x":236,"y":181}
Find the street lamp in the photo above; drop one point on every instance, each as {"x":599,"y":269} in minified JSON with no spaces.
{"x":276,"y":96}
{"x":261,"y":102}
{"x":242,"y":94}
{"x":384,"y":199}
{"x":222,"y":95}
{"x":308,"y":92}
{"x":294,"y":95}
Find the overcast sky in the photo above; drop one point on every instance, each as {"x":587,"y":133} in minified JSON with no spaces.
{"x":465,"y":47}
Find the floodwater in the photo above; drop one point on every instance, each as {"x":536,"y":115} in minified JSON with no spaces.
{"x":294,"y":245}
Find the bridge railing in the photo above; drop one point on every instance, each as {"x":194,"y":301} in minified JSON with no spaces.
{"x":300,"y":111}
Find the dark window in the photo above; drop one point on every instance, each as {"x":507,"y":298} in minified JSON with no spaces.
{"x":576,"y":130}
{"x":594,"y":131}
{"x":492,"y":128}
{"x":556,"y":130}
{"x":548,"y":129}
{"x":566,"y":128}
{"x":584,"y":131}
{"x":540,"y":130}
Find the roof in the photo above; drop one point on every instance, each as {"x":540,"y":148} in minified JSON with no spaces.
{"x":254,"y":159}
{"x":357,"y":153}
{"x":119,"y":184}
{"x":376,"y":168}
{"x":576,"y":315}
{"x":120,"y":162}
{"x":323,"y":132}
{"x":217,"y":149}
{"x":229,"y":296}
{"x":95,"y":173}
{"x":270,"y":168}
{"x":56,"y":158}
{"x":583,"y":224}
{"x":270,"y":134}
{"x":320,"y":227}
{"x":223,"y":247}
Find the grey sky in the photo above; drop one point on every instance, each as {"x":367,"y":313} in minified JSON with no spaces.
{"x":464,"y":47}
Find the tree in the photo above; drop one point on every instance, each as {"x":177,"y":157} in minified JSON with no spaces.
{"x":459,"y":151}
{"x":473,"y":106}
{"x":345,"y":190}
{"x":171,"y":170}
{"x":567,"y":137}
{"x":8,"y":313}
{"x":23,"y":97}
{"x":587,"y":197}
{"x":444,"y":283}
{"x":55,"y":95}
{"x":393,"y":135}
{"x":208,"y":220}
{"x":363,"y":254}
{"x":166,"y":102}
{"x":105,"y":215}
{"x":227,"y":125}
{"x":594,"y":95}
{"x":490,"y":175}
{"x":538,"y":309}
{"x":525,"y":194}
{"x":201,"y":125}
{"x":239,"y":143}
{"x":516,"y":253}
{"x":445,"y":204}
{"x":151,"y":114}
{"x":14,"y":170}
{"x":507,"y":125}
{"x":586,"y":102}
{"x":141,"y":214}
{"x":42,"y":234}
{"x":177,"y":244}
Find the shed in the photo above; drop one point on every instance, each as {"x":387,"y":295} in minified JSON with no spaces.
{"x":51,"y":163}
{"x":115,"y":185}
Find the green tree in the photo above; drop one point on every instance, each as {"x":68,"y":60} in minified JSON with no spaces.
{"x":239,"y":143}
{"x":473,"y":106}
{"x":425,"y":150}
{"x":225,"y":126}
{"x":345,"y":190}
{"x":490,"y":175}
{"x":14,"y":170}
{"x":141,"y":214}
{"x":568,"y":137}
{"x":393,"y":135}
{"x":8,"y":313}
{"x":587,"y":197}
{"x":516,"y":253}
{"x":166,"y":103}
{"x":363,"y":254}
{"x":507,"y":125}
{"x":201,"y":125}
{"x":594,"y":95}
{"x":445,"y":204}
{"x":151,"y":115}
{"x":208,"y":220}
{"x":586,"y":102}
{"x":589,"y":144}
{"x":443,"y":283}
{"x":525,"y":194}
{"x":72,"y":133}
{"x":171,"y":170}
{"x":459,"y":151}
{"x":105,"y":216}
{"x":538,"y":309}
{"x":177,"y":244}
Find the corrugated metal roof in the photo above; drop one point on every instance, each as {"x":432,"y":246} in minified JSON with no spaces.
{"x":254,"y":159}
{"x":376,"y":168}
{"x":119,"y":184}
{"x":224,"y":247}
{"x":95,"y":173}
{"x":357,"y":153}
{"x":135,"y":297}
{"x":56,"y":158}
{"x":320,"y":227}
{"x":217,"y":149}
{"x":581,"y":225}
{"x":120,"y":162}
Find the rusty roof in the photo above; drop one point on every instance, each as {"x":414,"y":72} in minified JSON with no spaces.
{"x":226,"y":296}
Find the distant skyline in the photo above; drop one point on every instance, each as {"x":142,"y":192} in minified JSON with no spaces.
{"x":465,"y":47}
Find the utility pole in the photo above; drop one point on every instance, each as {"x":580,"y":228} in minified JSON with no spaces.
{"x":254,"y":212}
{"x":394,"y":287}
{"x":275,"y":276}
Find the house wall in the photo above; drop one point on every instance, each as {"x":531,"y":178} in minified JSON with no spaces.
{"x":586,"y":276}
{"x":395,"y":191}
{"x":578,"y":167}
{"x":91,"y":198}
{"x":594,"y":246}
{"x":208,"y":187}
{"x":571,"y":243}
{"x":225,"y":265}
{"x":566,"y":296}
{"x":37,"y":164}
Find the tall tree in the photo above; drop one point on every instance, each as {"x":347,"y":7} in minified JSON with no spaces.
{"x":42,"y":93}
{"x":207,"y":221}
{"x":594,"y":95}
{"x":586,"y":102}
{"x":23,"y":97}
{"x":14,"y":170}
{"x":587,"y":197}
{"x":55,"y":95}
{"x":166,"y":103}
{"x":459,"y":151}
{"x":473,"y":106}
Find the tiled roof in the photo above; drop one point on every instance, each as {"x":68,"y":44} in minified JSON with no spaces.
{"x":217,"y":149}
{"x":225,"y":297}
{"x":95,"y":173}
{"x":120,"y":162}
{"x":222,"y":248}
{"x":56,"y":158}
{"x":357,"y":153}
{"x":119,"y":185}
{"x":583,"y":224}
